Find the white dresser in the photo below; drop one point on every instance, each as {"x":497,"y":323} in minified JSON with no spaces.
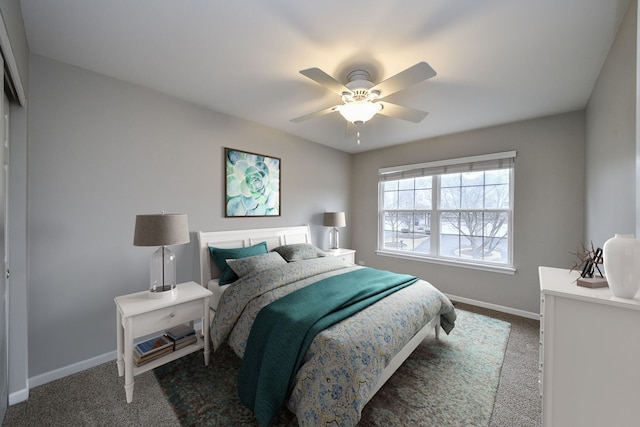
{"x":589,"y":354}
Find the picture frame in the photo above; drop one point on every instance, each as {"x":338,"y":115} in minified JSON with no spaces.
{"x":252,"y":184}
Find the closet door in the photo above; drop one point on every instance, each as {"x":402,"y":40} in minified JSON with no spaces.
{"x":4,"y":315}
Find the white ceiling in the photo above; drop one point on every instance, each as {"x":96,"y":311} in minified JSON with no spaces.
{"x":497,"y":61}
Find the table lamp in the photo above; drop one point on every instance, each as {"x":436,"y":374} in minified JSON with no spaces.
{"x":334,"y":219}
{"x":162,"y":230}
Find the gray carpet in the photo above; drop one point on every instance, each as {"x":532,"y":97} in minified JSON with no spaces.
{"x":518,"y":401}
{"x":95,"y":397}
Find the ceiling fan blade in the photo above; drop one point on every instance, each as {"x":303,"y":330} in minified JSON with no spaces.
{"x":400,"y":112}
{"x":320,"y":77}
{"x":316,"y":114}
{"x":412,"y":75}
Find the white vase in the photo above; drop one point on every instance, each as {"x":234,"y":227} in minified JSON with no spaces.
{"x":622,"y":265}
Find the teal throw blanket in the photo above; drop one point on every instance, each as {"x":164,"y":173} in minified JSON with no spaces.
{"x":284,"y":329}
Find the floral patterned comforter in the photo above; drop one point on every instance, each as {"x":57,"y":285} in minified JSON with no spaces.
{"x":344,"y":362}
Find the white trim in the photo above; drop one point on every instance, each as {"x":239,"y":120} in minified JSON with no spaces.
{"x":65,"y":371}
{"x":74,"y":368}
{"x":450,"y":262}
{"x":448,"y":162}
{"x":10,"y":60}
{"x":19,"y":396}
{"x":496,"y":307}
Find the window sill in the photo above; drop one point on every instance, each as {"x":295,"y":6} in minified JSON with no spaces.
{"x":451,"y":263}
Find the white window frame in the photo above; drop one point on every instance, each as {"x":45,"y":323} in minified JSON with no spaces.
{"x":436,"y":169}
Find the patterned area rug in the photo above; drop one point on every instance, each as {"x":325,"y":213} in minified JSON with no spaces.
{"x":447,"y":382}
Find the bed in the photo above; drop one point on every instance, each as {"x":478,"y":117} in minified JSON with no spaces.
{"x":346,"y":363}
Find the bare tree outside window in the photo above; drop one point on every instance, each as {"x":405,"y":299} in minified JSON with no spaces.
{"x":475,"y":208}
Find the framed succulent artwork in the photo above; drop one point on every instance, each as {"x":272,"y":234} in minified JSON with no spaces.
{"x":252,"y":184}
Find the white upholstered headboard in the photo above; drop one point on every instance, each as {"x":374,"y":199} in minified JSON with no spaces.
{"x":243,"y":238}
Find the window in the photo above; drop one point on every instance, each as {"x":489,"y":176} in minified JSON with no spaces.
{"x":456,"y":211}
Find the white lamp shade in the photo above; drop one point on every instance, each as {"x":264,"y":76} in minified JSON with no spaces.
{"x":334,"y":219}
{"x":161,"y":230}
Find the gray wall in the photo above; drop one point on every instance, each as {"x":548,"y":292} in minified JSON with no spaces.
{"x":548,"y":216}
{"x":611,"y":161}
{"x":102,"y":151}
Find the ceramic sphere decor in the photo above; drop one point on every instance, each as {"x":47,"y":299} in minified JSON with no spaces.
{"x":622,"y":265}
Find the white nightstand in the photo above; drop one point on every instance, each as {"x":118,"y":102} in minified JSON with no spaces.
{"x":138,"y":315}
{"x":348,"y":255}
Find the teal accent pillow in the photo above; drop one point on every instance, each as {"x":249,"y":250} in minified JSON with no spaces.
{"x":221,"y":255}
{"x":244,"y":266}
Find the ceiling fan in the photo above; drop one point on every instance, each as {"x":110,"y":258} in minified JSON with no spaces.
{"x":362,"y":99}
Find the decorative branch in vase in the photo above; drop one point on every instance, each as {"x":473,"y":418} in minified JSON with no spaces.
{"x":588,"y":262}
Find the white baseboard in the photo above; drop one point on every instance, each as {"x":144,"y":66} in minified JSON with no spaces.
{"x":509,"y":310}
{"x":19,"y":396}
{"x":47,"y":377}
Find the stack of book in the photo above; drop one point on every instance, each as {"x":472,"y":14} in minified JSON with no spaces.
{"x":150,"y":349}
{"x":181,"y":336}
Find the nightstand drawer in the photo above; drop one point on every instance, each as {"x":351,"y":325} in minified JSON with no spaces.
{"x":348,"y":255}
{"x":349,"y":258}
{"x":167,"y":317}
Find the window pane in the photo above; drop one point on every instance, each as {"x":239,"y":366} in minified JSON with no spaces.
{"x":390,"y":221}
{"x":422,"y":232}
{"x":449,"y":223}
{"x":391,"y":227}
{"x":500,"y":176}
{"x":471,"y":197}
{"x":472,"y":178}
{"x":496,"y":224}
{"x":472,"y":248}
{"x":422,"y":223}
{"x":450,"y":198}
{"x":423,"y":199}
{"x":406,"y":184}
{"x":390,"y":185}
{"x":390,"y":230}
{"x":405,"y":199}
{"x":390,"y":200}
{"x":498,"y":250}
{"x":413,"y":235}
{"x":449,"y":245}
{"x":496,"y":196}
{"x":471,"y":223}
{"x":450,"y":180}
{"x":405,"y":220}
{"x":406,"y":231}
{"x":424,"y":182}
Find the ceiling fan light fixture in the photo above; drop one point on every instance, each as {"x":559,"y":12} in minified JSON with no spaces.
{"x":358,"y":112}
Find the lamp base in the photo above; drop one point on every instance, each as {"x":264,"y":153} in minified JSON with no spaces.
{"x":169,"y":294}
{"x":334,"y":239}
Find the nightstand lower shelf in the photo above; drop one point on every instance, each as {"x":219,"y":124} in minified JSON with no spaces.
{"x":168,"y":357}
